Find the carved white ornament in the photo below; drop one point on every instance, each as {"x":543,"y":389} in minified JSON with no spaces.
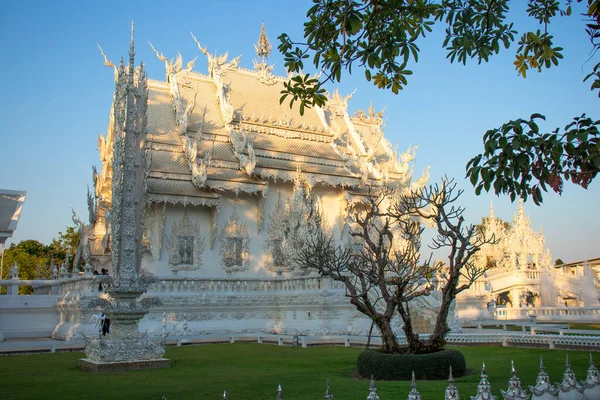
{"x":290,"y":225}
{"x":154,"y":223}
{"x":276,"y":241}
{"x":185,"y":245}
{"x":260,"y":212}
{"x":264,"y":72}
{"x":234,"y":245}
{"x":243,"y":151}
{"x":213,"y":225}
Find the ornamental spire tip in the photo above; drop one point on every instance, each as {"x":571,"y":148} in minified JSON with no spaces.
{"x":263,"y":47}
{"x":131,"y":47}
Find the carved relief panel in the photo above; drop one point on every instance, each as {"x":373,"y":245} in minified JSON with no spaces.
{"x":291,"y":224}
{"x":277,"y":244}
{"x":234,"y":245}
{"x":154,"y":222}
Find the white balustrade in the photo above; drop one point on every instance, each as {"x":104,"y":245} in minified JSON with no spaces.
{"x":548,"y":313}
{"x":194,"y":285}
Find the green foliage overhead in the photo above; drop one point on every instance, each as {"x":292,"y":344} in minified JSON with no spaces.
{"x":517,"y":153}
{"x":381,"y":38}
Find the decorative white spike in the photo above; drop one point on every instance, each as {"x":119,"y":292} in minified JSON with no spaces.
{"x":451,"y":390}
{"x":279,"y":393}
{"x":372,"y":390}
{"x":514,"y":391}
{"x":569,"y":388}
{"x":263,"y":47}
{"x":225,"y":395}
{"x":328,"y":395}
{"x":484,"y":389}
{"x":543,"y":389}
{"x":131,"y":51}
{"x":414,"y":394}
{"x":592,"y":381}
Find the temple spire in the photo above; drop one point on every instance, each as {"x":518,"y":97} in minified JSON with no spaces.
{"x":131,"y":49}
{"x":263,"y":47}
{"x":492,"y":215}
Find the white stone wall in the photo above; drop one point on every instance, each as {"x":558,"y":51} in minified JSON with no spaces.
{"x":246,"y":207}
{"x":28,"y":316}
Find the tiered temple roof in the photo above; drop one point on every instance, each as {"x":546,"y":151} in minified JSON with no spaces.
{"x":226,"y":131}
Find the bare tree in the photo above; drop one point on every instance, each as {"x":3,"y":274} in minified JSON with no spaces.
{"x":381,"y":265}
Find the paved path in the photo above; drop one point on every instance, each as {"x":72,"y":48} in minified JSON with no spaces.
{"x":27,"y":345}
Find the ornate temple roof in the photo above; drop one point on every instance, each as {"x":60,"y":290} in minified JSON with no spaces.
{"x":226,"y":131}
{"x":11,"y":204}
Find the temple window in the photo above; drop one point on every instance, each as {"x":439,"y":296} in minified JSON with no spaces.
{"x":186,"y":249}
{"x":185,"y":245}
{"x":235,"y":240}
{"x":234,"y":252}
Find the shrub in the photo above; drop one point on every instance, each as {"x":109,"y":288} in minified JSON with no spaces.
{"x":400,"y":366}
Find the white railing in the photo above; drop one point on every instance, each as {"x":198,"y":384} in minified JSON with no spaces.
{"x":502,"y":280}
{"x":176,"y":285}
{"x":182,"y":285}
{"x":549,"y":313}
{"x":48,"y":286}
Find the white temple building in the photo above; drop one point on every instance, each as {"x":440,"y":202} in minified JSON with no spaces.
{"x":226,"y":164}
{"x":231,"y":178}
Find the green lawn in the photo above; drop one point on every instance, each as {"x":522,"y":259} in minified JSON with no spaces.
{"x":513,"y":328}
{"x":253,"y":371}
{"x":584,"y":326}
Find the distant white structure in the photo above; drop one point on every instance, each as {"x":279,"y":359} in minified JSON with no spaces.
{"x":11,"y":204}
{"x":522,"y":273}
{"x":519,"y":246}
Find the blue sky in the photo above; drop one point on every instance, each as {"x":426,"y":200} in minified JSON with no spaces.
{"x":56,"y":96}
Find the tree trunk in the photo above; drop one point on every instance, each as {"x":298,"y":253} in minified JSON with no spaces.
{"x":370,"y":333}
{"x":412,"y":339}
{"x":389,"y":342}
{"x":437,"y":339}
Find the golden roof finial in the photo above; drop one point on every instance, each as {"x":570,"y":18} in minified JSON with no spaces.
{"x":263,"y":47}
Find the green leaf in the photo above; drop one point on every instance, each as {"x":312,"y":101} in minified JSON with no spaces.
{"x":474,"y":176}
